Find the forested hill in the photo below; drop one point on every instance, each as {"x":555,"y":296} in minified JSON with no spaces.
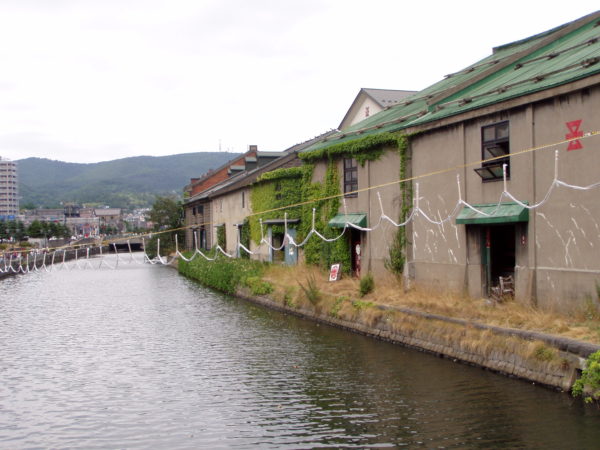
{"x":122,"y":183}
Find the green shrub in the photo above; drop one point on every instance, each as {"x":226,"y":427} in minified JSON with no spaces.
{"x":223,"y":274}
{"x":367,"y":284}
{"x":589,"y":383}
{"x":258,"y":286}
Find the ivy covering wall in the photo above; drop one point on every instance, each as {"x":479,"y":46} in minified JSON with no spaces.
{"x":221,"y":237}
{"x":274,"y":190}
{"x":368,"y":148}
{"x":245,"y":238}
{"x":294,"y":186}
{"x":317,"y":251}
{"x":397,"y":250}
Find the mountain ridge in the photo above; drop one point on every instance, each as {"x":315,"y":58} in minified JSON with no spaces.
{"x":130,"y":182}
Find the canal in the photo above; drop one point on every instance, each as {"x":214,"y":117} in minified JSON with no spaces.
{"x":140,"y":357}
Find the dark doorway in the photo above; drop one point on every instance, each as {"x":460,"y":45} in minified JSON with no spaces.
{"x":202,"y":238}
{"x":356,"y":250}
{"x":277,"y":256}
{"x":499,"y":257}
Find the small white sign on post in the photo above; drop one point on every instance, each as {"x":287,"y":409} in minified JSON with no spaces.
{"x":334,"y":272}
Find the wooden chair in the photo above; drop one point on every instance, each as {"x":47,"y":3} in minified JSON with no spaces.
{"x":505,"y":288}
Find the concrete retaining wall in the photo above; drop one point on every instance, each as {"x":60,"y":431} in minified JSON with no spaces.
{"x":499,"y":349}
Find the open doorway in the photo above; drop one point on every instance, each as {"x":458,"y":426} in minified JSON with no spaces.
{"x":355,"y":249}
{"x":202,"y":238}
{"x":276,"y":234}
{"x":277,"y":256}
{"x":499,"y":256}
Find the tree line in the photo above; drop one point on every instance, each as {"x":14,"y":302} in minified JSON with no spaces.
{"x":16,"y":231}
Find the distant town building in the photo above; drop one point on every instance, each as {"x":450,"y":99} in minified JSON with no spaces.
{"x":82,"y":221}
{"x":72,"y":210}
{"x":110,"y":218}
{"x":137,"y":220}
{"x":9,"y":189}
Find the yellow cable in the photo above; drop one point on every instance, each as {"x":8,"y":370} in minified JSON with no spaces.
{"x":391,"y":183}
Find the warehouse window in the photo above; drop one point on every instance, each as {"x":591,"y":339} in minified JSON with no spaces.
{"x":495,"y":151}
{"x":350,"y":177}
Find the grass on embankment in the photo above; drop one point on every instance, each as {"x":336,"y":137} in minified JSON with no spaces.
{"x":582,"y":325}
{"x":301,"y":286}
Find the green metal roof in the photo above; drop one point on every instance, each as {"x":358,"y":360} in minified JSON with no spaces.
{"x":558,"y":56}
{"x":340,"y":220}
{"x":497,"y":213}
{"x":564,"y":60}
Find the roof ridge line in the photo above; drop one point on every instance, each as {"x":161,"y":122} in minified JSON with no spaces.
{"x":545,"y":41}
{"x":585,"y":62}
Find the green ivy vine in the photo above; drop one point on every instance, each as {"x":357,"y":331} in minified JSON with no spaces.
{"x":316,"y":251}
{"x":274,"y":190}
{"x":221,"y":237}
{"x":294,"y":186}
{"x":245,"y":238}
{"x":367,"y":148}
{"x":397,"y":250}
{"x":290,"y":172}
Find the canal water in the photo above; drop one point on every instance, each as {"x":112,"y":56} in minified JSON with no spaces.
{"x":140,"y":357}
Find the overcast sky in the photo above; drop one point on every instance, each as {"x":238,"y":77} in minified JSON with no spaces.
{"x":95,"y":80}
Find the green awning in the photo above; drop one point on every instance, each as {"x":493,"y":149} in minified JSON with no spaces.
{"x":340,"y":220}
{"x":505,"y":213}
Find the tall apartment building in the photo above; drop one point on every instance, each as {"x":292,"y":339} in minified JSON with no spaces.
{"x":9,"y":190}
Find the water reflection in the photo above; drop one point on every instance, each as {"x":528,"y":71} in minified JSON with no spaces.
{"x":141,"y":357}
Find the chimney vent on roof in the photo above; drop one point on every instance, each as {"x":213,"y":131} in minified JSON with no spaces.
{"x":253,"y":148}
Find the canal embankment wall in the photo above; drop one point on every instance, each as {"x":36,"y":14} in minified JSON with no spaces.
{"x":540,"y":358}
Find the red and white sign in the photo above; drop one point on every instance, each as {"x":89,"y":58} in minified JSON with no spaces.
{"x":334,"y":272}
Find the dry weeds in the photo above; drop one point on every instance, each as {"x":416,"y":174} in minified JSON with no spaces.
{"x":389,"y":291}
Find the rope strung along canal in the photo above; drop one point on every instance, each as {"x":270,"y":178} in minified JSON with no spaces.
{"x":25,"y":261}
